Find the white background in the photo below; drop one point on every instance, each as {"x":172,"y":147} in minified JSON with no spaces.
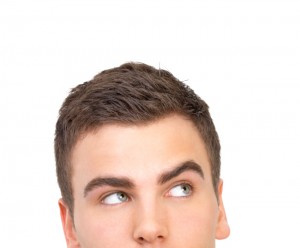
{"x":242,"y":57}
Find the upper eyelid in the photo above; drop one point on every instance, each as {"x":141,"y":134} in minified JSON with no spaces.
{"x":189,"y":177}
{"x":185,"y":183}
{"x":180,"y":183}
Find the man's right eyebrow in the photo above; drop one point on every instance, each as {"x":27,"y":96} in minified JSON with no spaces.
{"x":108,"y":181}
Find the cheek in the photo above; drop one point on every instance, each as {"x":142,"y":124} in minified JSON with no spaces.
{"x":195,"y":224}
{"x":98,"y":228}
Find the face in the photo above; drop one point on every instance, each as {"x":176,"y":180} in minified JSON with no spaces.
{"x":144,"y":186}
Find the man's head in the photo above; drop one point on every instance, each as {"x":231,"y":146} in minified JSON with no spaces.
{"x":135,"y":129}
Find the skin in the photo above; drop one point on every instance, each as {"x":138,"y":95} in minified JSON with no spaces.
{"x":127,"y":192}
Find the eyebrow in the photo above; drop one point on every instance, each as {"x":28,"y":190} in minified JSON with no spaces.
{"x":108,"y":181}
{"x":123,"y":182}
{"x":185,"y":166}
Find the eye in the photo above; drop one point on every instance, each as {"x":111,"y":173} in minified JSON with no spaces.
{"x":181,"y":190}
{"x":115,"y":198}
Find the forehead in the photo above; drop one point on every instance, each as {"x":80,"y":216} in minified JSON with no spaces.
{"x":138,"y":150}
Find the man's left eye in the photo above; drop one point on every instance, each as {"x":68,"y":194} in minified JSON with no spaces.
{"x":181,"y":190}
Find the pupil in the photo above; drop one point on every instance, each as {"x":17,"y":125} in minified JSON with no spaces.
{"x":121,"y":196}
{"x":185,"y":188}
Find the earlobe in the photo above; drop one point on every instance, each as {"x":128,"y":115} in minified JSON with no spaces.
{"x":222,"y":230}
{"x":68,"y":226}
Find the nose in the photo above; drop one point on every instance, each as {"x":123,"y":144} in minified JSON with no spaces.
{"x":151,"y":226}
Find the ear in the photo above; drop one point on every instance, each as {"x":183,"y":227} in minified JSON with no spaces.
{"x":68,"y":226}
{"x":222,"y":230}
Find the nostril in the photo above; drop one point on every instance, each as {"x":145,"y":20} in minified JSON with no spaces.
{"x":141,"y":239}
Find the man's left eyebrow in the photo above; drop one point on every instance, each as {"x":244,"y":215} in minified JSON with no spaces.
{"x":189,"y":165}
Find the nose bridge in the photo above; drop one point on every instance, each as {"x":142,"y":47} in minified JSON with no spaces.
{"x":150,"y":221}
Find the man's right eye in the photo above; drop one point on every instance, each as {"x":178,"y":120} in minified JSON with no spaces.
{"x":115,"y":198}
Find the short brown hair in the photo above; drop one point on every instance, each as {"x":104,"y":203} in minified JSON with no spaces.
{"x":133,"y":93}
